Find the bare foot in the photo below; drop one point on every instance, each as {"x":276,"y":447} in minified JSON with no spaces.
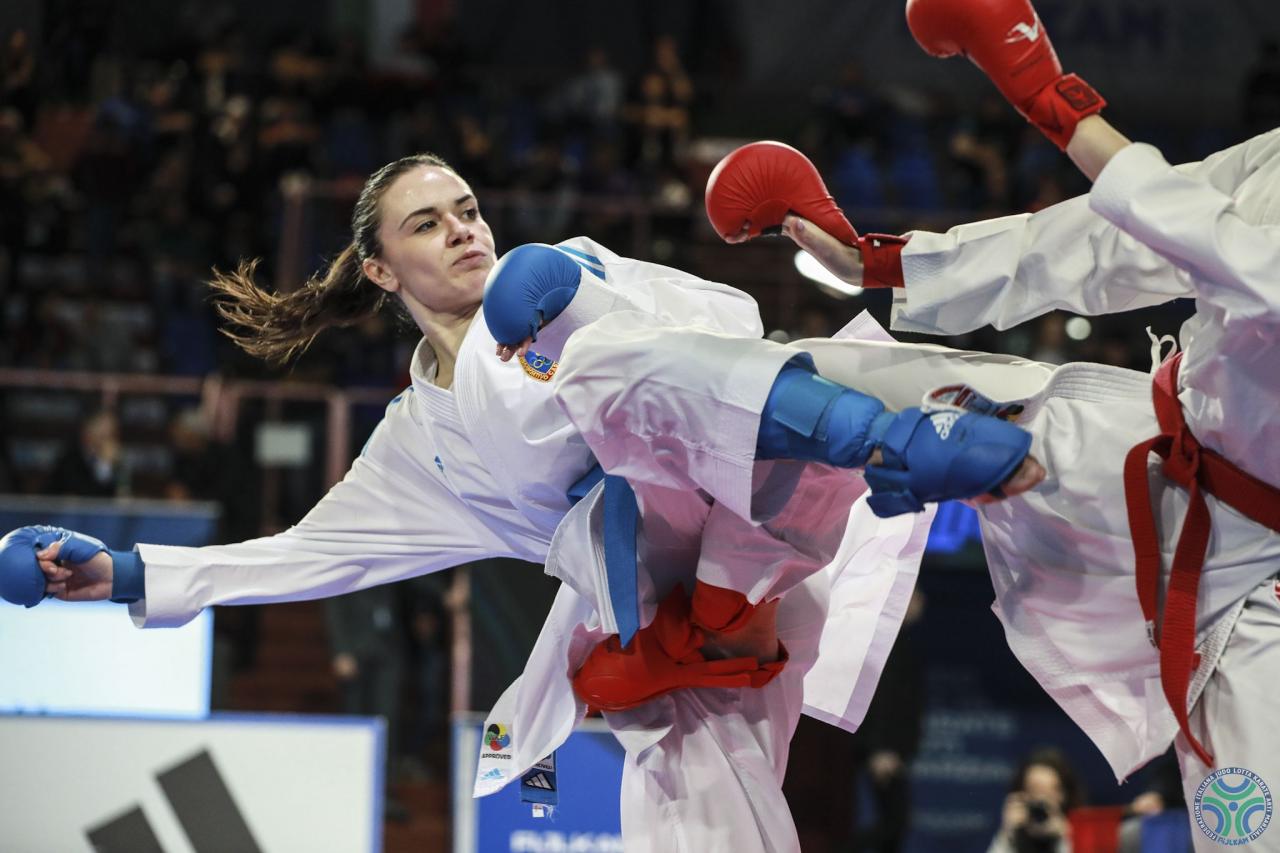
{"x":1029,"y":475}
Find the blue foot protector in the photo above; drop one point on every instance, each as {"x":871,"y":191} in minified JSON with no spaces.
{"x":943,"y":455}
{"x":812,"y":419}
{"x":928,"y":456}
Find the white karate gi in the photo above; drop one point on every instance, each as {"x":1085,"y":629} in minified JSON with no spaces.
{"x":1061,"y":558}
{"x":483,"y":470}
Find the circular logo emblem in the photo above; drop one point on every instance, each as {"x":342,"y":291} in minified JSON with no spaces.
{"x":1232,"y":806}
{"x":498,"y":739}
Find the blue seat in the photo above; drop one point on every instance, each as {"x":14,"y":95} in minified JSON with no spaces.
{"x":1167,"y":832}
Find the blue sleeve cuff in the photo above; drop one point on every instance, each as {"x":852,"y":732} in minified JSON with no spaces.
{"x":128,"y":576}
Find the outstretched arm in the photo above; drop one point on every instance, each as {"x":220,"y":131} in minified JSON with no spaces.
{"x":391,"y":518}
{"x":1093,"y":145}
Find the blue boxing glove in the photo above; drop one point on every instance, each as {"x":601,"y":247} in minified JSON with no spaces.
{"x":527,"y":288}
{"x":22,"y":582}
{"x":927,"y":456}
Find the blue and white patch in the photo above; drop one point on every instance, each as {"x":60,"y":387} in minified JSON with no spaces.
{"x":538,"y":367}
{"x":538,"y":784}
{"x":1232,"y":806}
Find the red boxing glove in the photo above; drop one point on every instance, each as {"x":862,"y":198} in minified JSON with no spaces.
{"x":758,"y":184}
{"x":1006,"y":39}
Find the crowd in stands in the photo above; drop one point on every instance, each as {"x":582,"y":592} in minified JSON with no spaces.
{"x":126,"y":175}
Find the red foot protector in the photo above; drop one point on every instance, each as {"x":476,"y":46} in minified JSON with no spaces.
{"x":664,"y":655}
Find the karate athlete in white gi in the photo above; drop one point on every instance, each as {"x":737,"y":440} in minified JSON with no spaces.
{"x":479,"y":457}
{"x":1086,"y":580}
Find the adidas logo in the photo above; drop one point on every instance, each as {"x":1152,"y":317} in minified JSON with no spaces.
{"x":1024,"y":32}
{"x":539,"y":781}
{"x":943,"y":422}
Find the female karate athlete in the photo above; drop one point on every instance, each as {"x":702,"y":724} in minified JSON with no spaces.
{"x":1144,"y":630}
{"x":479,"y":457}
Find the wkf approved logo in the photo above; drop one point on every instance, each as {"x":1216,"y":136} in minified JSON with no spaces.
{"x":496,"y":737}
{"x":1232,"y":806}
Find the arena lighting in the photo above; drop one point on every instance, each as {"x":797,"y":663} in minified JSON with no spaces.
{"x":807,"y":265}
{"x":1078,"y":328}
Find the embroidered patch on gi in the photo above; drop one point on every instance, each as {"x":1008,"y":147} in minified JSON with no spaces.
{"x":539,"y":367}
{"x":1232,"y":806}
{"x":497,"y":738}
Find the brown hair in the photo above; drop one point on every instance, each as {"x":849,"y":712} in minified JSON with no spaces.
{"x":1073,"y":792}
{"x":279,"y":326}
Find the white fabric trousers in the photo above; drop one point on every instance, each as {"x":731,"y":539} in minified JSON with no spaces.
{"x":1235,"y":718}
{"x":714,"y":780}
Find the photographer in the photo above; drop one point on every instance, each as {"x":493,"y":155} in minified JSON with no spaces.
{"x":1044,"y":789}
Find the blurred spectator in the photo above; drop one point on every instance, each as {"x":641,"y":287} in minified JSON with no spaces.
{"x":889,"y":738}
{"x":22,"y":164}
{"x":1051,"y":339}
{"x":826,"y":763}
{"x":1044,"y":789}
{"x":109,"y":172}
{"x":366,"y":635}
{"x":426,"y":735}
{"x":93,"y":466}
{"x":1261,"y":94}
{"x":849,"y":112}
{"x":659,"y":110}
{"x":196,"y":472}
{"x":856,"y":178}
{"x":981,"y":149}
{"x":9,"y":479}
{"x":544,"y":195}
{"x":18,"y":77}
{"x":590,"y":101}
{"x":1161,"y":794}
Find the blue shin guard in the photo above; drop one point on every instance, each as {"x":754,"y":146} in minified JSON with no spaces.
{"x":927,"y":456}
{"x":812,"y":419}
{"x":943,"y":455}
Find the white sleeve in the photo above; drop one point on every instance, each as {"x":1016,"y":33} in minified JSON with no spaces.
{"x":1002,"y":272}
{"x":673,"y":406}
{"x":388,"y":519}
{"x":670,"y":296}
{"x":664,"y":374}
{"x":1195,"y":222}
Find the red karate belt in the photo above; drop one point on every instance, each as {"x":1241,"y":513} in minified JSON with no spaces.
{"x":1199,"y":470}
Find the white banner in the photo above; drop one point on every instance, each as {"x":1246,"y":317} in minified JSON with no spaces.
{"x":268,"y":784}
{"x":82,"y":658}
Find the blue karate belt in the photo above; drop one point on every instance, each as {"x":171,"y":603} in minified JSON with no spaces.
{"x":621,"y":514}
{"x":538,"y":785}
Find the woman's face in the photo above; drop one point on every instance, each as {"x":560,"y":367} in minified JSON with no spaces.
{"x":1043,"y":783}
{"x":436,"y":248}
